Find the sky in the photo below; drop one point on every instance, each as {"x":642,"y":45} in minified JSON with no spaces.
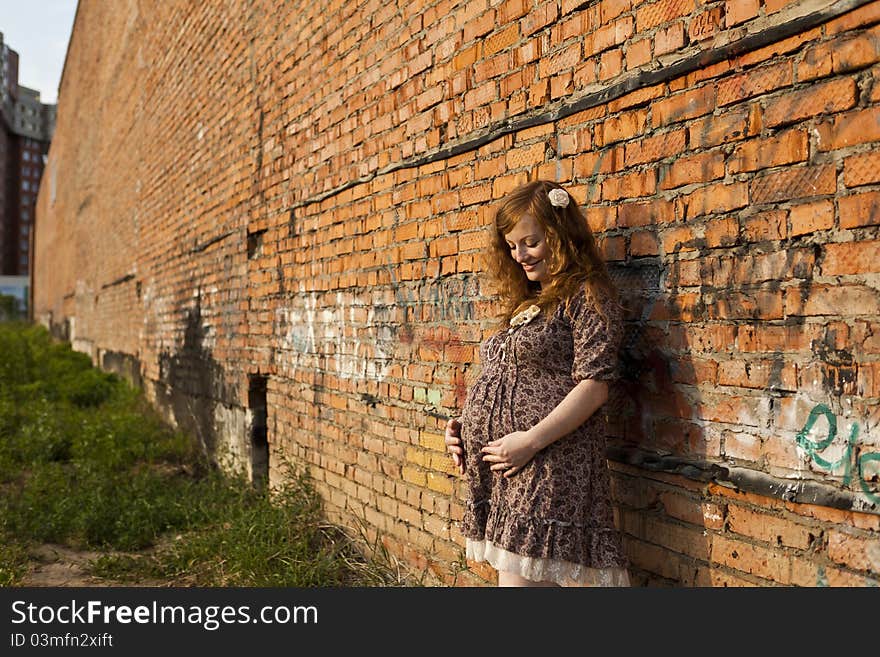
{"x":38,"y":30}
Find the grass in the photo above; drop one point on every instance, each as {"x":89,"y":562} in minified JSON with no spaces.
{"x":87,"y":463}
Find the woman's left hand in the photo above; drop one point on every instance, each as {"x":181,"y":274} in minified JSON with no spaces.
{"x":510,"y":453}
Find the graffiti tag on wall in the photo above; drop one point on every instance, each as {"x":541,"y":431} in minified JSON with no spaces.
{"x":849,"y":462}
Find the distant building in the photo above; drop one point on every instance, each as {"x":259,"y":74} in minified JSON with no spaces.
{"x":25,"y":133}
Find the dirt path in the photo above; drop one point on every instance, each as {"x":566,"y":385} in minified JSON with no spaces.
{"x":57,"y":565}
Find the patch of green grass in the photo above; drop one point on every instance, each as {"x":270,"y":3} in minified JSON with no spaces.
{"x":86,"y":462}
{"x":253,"y":541}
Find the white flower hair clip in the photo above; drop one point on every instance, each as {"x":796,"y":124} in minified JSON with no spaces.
{"x":559,"y":198}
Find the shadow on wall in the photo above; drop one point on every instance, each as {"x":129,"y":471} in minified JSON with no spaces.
{"x":191,"y":383}
{"x":677,"y":410}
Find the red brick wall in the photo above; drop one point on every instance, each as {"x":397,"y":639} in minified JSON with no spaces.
{"x":303,"y":194}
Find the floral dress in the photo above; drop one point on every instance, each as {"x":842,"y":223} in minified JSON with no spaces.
{"x":553,"y":520}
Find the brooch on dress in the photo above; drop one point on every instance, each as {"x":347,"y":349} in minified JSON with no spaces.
{"x":520,"y":319}
{"x":524,"y":316}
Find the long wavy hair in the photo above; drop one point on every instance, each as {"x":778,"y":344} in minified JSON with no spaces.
{"x":573,"y":260}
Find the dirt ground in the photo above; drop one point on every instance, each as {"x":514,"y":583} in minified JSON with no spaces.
{"x":58,"y":566}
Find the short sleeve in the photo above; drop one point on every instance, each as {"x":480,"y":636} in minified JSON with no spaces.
{"x":596,"y":341}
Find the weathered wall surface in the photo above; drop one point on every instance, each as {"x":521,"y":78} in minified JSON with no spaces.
{"x":296,"y":196}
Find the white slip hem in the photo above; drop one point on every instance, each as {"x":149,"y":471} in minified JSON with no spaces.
{"x":539,"y":569}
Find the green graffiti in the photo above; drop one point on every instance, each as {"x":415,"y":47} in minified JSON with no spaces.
{"x":846,"y":460}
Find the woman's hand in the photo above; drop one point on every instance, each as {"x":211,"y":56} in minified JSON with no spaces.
{"x":453,"y":443}
{"x":510,"y":453}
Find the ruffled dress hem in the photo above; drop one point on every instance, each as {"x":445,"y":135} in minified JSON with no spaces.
{"x":539,"y":569}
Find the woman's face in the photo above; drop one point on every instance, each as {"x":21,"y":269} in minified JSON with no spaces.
{"x":528,"y":247}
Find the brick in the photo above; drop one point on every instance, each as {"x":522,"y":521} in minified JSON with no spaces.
{"x":807,"y":218}
{"x":763,"y":226}
{"x":492,"y":67}
{"x":740,"y":410}
{"x":652,"y":14}
{"x":851,"y":258}
{"x":643,"y":213}
{"x":720,"y":578}
{"x":739,"y":11}
{"x":795,"y":183}
{"x":815,"y":63}
{"x":769,"y":564}
{"x":479,"y":26}
{"x":611,"y":9}
{"x":759,"y":81}
{"x":864,"y":15}
{"x":540,"y":17}
{"x":861,"y":169}
{"x":718,"y":197}
{"x":560,"y":60}
{"x":608,"y":36}
{"x":787,"y":148}
{"x":638,"y":53}
{"x":643,"y":243}
{"x":691,"y":510}
{"x":697,"y":168}
{"x":525,"y":156}
{"x":721,"y":232}
{"x":652,"y":558}
{"x":655,"y":147}
{"x":838,"y":578}
{"x":683,"y":106}
{"x":776,"y":266}
{"x":669,"y":39}
{"x":501,"y":40}
{"x":817,"y":99}
{"x":561,"y":85}
{"x":780,"y":47}
{"x":623,"y":126}
{"x":769,"y":529}
{"x":676,"y":537}
{"x":511,"y":10}
{"x":849,"y":129}
{"x":721,"y":129}
{"x":857,"y":52}
{"x":757,"y":304}
{"x":610,"y":64}
{"x":806,"y":572}
{"x":843,"y":300}
{"x":706,"y":24}
{"x":757,"y":374}
{"x":859,"y":210}
{"x":633,"y":185}
{"x":856,"y":552}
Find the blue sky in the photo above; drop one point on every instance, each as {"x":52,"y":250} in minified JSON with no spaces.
{"x":38,"y":30}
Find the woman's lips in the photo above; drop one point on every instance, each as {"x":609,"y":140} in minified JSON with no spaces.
{"x":532,"y":266}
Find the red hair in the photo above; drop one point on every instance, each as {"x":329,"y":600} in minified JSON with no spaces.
{"x":574,"y":259}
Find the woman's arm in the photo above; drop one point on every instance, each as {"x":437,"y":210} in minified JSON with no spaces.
{"x":579,"y":404}
{"x":514,"y":450}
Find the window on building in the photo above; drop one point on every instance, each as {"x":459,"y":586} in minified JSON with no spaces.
{"x":27,"y":156}
{"x":25,"y":185}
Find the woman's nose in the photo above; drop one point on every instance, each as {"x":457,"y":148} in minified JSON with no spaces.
{"x":519,"y":256}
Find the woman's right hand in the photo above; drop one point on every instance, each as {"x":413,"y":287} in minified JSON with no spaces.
{"x":453,"y":443}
